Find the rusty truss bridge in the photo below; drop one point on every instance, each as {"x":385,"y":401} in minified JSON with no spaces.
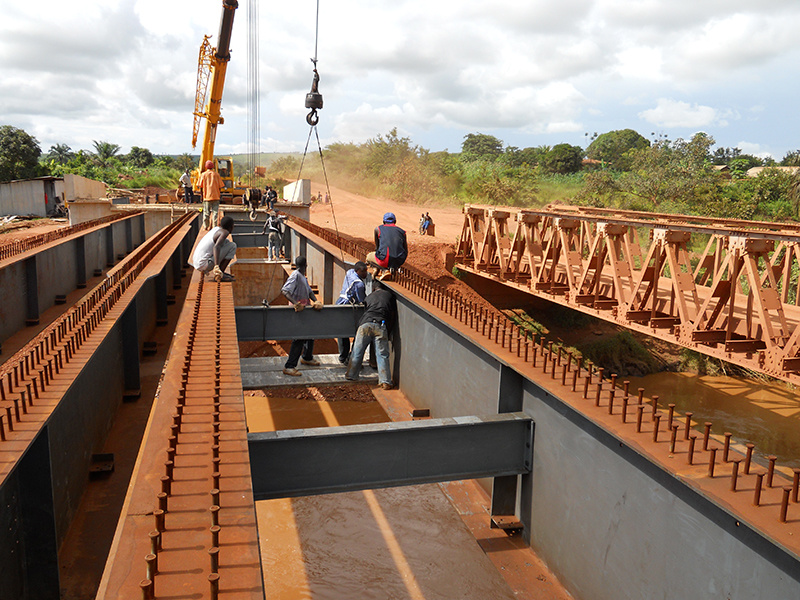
{"x":726,"y":288}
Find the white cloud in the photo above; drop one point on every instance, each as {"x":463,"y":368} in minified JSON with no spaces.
{"x":124,"y":70}
{"x":675,"y":113}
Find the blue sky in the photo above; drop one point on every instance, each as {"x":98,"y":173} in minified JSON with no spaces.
{"x":532,"y":73}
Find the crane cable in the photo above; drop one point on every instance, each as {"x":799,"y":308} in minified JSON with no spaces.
{"x":314,"y":102}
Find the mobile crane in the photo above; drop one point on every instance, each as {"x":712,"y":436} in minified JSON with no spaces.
{"x":212,"y":66}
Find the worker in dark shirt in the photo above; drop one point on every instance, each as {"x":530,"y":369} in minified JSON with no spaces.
{"x":376,"y":325}
{"x":391,"y":247}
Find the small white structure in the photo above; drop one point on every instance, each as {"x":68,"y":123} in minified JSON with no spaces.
{"x":299,"y":191}
{"x":38,"y":197}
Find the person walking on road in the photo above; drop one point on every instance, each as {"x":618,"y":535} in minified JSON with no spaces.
{"x":210,"y":185}
{"x":299,"y":293}
{"x":376,"y":324}
{"x":353,"y":292}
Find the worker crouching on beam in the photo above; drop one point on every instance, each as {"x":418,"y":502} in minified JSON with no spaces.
{"x":215,"y":251}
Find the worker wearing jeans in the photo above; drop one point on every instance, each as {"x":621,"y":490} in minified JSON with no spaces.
{"x":374,"y":325}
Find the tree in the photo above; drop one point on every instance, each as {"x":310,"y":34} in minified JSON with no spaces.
{"x":19,"y":154}
{"x":480,"y":146}
{"x":104,"y":151}
{"x":184,"y":161}
{"x":791,"y":159}
{"x":533,"y":156}
{"x":563,"y":158}
{"x":613,"y":147}
{"x":60,"y":153}
{"x":140,"y":157}
{"x":675,"y":176}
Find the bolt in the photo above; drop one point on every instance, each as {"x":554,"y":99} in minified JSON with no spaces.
{"x":727,"y":447}
{"x":688,"y":425}
{"x":155,"y":542}
{"x":214,"y":555}
{"x":670,"y":415}
{"x":673,"y":438}
{"x":575,"y":379}
{"x":611,"y":401}
{"x":597,"y":395}
{"x":735,"y":473}
{"x":641,"y":395}
{"x":785,"y":503}
{"x":214,"y":515}
{"x":586,"y":383}
{"x":166,"y":485}
{"x":152,"y":566}
{"x":748,"y":458}
{"x":795,"y":484}
{"x":213,"y":580}
{"x":148,"y":592}
{"x":656,"y":422}
{"x":757,"y":490}
{"x":771,"y":469}
{"x":655,"y":406}
{"x":712,"y":462}
{"x":162,"y":501}
{"x":159,"y":518}
{"x":625,"y":408}
{"x":215,"y":535}
{"x":690,"y":456}
{"x":706,"y":435}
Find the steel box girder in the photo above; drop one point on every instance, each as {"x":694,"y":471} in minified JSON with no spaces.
{"x":304,"y":462}
{"x":263,"y":323}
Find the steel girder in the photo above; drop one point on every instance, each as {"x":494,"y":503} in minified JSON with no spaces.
{"x":262,"y":323}
{"x":302,"y":462}
{"x":738,"y":299}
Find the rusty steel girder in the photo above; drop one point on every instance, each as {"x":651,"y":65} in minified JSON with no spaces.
{"x":724,"y":287}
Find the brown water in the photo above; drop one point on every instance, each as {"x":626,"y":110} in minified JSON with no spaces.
{"x":766,"y":414}
{"x":404,"y":543}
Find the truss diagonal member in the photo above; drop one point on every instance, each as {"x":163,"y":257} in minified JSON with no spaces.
{"x":681,"y":275}
{"x":645,"y":286}
{"x":765,"y":297}
{"x":618,"y":255}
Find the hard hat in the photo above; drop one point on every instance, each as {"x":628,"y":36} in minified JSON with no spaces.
{"x":209,"y":164}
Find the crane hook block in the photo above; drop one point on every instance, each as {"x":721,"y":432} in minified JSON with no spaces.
{"x":314,"y":101}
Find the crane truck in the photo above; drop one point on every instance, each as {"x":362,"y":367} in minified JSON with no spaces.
{"x":212,"y":66}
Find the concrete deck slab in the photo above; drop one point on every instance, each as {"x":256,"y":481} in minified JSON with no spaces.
{"x":267,"y":371}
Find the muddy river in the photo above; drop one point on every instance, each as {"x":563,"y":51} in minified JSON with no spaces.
{"x":764,"y":413}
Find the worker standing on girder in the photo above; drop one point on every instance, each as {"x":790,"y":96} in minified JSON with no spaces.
{"x":215,"y":251}
{"x":210,"y":185}
{"x":299,"y":293}
{"x":353,"y":292}
{"x":391,"y":247}
{"x":375,"y":324}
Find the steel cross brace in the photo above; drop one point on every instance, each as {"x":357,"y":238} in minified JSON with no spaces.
{"x":262,"y":323}
{"x":302,"y":462}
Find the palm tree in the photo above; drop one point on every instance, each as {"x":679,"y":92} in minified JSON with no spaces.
{"x":104,"y":151}
{"x":60,"y":153}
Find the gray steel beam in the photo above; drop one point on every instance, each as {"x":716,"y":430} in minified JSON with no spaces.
{"x":303,"y":462}
{"x":262,"y":323}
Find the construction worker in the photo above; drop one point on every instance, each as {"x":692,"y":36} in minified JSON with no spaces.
{"x":210,"y":185}
{"x":353,"y":292}
{"x":299,"y":293}
{"x":186,"y":182}
{"x":215,"y":251}
{"x":274,"y":227}
{"x":375,"y":324}
{"x":391,"y":247}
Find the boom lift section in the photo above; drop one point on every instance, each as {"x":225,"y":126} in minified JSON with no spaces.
{"x":212,"y":66}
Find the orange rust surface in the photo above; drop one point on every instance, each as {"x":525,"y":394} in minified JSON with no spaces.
{"x":28,"y":364}
{"x":184,"y":563}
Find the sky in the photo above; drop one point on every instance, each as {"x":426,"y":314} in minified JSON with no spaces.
{"x":530,"y":73}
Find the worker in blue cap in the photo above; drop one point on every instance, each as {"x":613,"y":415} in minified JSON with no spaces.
{"x":391,"y":247}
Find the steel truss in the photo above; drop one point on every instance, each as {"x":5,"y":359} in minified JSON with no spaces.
{"x":726,"y":288}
